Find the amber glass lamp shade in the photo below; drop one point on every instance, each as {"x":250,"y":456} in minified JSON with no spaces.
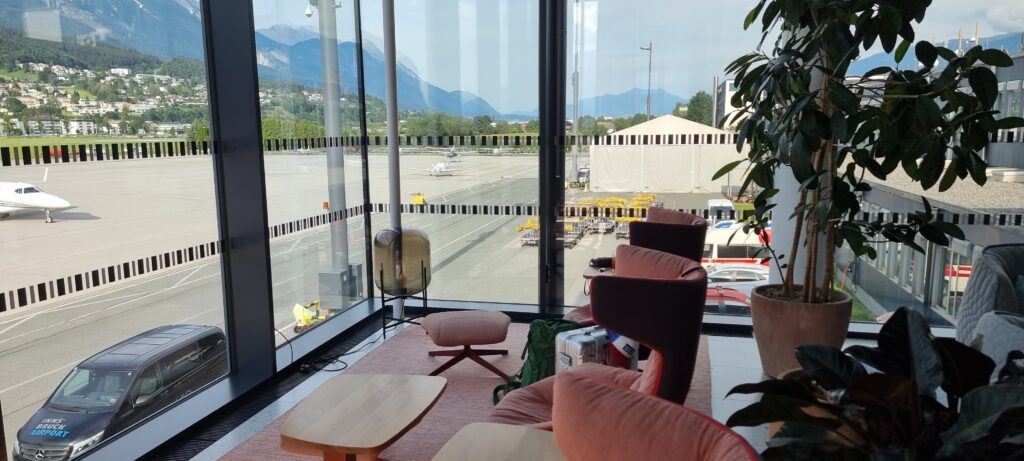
{"x":410,"y":275}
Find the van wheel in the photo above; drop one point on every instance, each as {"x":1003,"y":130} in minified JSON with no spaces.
{"x":297,"y":329}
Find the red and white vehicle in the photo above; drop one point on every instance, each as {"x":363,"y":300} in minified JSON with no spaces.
{"x":957,"y":276}
{"x":731,"y":246}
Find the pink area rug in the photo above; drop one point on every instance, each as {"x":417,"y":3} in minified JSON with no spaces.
{"x":467,"y":398}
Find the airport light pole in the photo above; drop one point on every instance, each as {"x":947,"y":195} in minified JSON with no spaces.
{"x":336,"y":282}
{"x":574,"y":175}
{"x":650,"y":59}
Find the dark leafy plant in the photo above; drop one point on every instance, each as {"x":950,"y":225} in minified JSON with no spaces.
{"x":880,"y":403}
{"x":801,"y":112}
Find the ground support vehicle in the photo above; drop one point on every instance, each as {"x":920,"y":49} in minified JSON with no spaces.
{"x":529,"y":238}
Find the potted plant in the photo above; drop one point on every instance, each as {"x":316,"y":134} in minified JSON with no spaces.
{"x":802,"y":116}
{"x":883,"y":403}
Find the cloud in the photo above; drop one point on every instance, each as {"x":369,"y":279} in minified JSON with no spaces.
{"x":945,"y":18}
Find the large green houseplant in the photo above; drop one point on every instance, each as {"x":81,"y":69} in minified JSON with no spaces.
{"x":884,"y":402}
{"x":800,"y":112}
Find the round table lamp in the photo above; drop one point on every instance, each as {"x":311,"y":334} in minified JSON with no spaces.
{"x":401,"y":261}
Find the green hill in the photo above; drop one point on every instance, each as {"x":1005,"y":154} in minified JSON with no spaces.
{"x":15,"y":48}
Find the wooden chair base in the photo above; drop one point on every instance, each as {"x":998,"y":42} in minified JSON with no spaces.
{"x":468,"y":353}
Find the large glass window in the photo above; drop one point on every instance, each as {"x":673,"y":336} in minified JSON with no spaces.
{"x":107,"y":210}
{"x":309,"y":111}
{"x":644,"y":94}
{"x":467,"y":101}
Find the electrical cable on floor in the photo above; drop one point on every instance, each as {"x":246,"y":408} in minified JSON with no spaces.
{"x":291,"y":350}
{"x":322,"y":363}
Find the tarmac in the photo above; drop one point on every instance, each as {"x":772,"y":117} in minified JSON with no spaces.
{"x":136,"y":208}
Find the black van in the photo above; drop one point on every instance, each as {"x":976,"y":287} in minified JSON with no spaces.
{"x":121,"y":386}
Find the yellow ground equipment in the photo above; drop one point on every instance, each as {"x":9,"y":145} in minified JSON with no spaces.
{"x":418,"y":198}
{"x":531,"y":224}
{"x":613,"y":202}
{"x":308,"y":315}
{"x":643,"y":200}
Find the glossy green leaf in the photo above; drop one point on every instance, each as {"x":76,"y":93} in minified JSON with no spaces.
{"x":1009,"y":123}
{"x":951,"y":229}
{"x":797,"y":433}
{"x":984,"y":84}
{"x":726,"y":169}
{"x":890,"y":25}
{"x":752,"y":15}
{"x":772,"y":408}
{"x":901,"y":50}
{"x":794,"y":388}
{"x":946,"y":53}
{"x":979,"y":410}
{"x":800,"y":159}
{"x":839,"y":127}
{"x":926,"y":53}
{"x":877,"y":71}
{"x":994,"y":57}
{"x":949,"y":177}
{"x":934,"y":235}
{"x":830,"y":366}
{"x":963,"y":367}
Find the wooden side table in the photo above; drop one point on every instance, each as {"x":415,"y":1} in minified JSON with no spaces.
{"x":357,"y":416}
{"x":590,"y":272}
{"x":500,"y":442}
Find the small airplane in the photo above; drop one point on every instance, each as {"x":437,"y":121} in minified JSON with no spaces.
{"x":19,"y":196}
{"x":452,"y":156}
{"x":440,"y":169}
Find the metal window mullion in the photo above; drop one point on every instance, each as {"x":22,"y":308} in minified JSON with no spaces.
{"x":364,"y":148}
{"x":551,"y":87}
{"x":228,"y":33}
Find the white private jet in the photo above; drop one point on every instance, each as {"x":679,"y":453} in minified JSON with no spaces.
{"x":19,"y":196}
{"x":440,"y":169}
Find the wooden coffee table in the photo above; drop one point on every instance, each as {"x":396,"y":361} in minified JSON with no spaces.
{"x":500,"y":442}
{"x":359,"y":415}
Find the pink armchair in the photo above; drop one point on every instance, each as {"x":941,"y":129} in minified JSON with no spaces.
{"x":594,"y":421}
{"x":662,"y":311}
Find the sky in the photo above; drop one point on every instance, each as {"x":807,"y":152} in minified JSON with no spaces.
{"x":489,"y":47}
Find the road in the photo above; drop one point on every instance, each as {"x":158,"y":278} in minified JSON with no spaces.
{"x":474,"y":257}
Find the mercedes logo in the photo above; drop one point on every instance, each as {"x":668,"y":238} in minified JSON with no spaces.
{"x":40,"y":454}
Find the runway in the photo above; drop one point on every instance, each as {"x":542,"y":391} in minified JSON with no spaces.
{"x":133,"y":209}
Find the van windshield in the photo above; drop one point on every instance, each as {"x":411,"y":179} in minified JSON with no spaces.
{"x":91,"y":390}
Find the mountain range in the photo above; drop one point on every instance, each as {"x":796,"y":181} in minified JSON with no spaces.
{"x":628,"y":103}
{"x":171,"y":28}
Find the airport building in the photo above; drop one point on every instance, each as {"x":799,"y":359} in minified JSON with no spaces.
{"x":356,"y":230}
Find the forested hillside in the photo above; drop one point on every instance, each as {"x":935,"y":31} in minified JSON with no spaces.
{"x":15,"y":48}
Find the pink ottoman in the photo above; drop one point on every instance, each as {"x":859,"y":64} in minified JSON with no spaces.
{"x":465,"y":329}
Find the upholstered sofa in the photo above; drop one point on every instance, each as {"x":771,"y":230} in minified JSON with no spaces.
{"x":594,"y":421}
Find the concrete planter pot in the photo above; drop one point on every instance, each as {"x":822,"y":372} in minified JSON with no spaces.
{"x":780,"y":326}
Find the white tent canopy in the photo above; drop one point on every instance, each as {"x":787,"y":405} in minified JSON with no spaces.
{"x":678,"y":167}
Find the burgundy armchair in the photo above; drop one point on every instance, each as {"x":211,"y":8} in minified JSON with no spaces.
{"x":661,"y":305}
{"x":669,"y":231}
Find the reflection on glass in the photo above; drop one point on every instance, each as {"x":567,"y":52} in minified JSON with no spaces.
{"x":309,"y":105}
{"x":631,"y":74}
{"x":467,"y":98}
{"x":107,"y":209}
